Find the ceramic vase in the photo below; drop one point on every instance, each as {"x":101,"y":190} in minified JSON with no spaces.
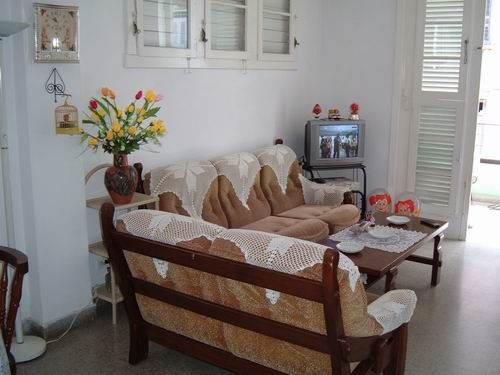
{"x":121,"y":180}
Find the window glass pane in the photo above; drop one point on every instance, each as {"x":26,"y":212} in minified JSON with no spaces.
{"x":276,"y":33}
{"x":165,"y":23}
{"x":228,"y":27}
{"x":277,"y":5}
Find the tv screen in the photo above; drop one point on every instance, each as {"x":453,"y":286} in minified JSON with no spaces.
{"x":332,"y":142}
{"x":338,"y":141}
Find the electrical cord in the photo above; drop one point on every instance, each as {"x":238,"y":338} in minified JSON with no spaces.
{"x":71,"y":324}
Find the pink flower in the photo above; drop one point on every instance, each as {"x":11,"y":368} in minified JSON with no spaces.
{"x":138,"y":96}
{"x":159,"y":97}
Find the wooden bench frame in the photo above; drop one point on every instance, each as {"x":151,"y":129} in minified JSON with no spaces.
{"x":378,"y":354}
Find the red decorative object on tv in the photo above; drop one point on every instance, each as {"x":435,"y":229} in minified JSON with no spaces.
{"x":317,"y":111}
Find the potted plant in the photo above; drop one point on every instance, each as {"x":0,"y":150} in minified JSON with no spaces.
{"x":121,"y":131}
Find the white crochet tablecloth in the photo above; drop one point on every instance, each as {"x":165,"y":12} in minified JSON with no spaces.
{"x":401,"y":240}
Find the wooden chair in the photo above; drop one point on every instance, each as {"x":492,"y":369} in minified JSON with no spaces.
{"x":9,"y":300}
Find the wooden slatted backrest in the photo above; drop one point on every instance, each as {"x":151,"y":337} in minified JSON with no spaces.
{"x":10,"y":293}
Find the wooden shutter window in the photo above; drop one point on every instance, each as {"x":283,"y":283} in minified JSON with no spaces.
{"x":228,"y":25}
{"x":435,"y":154}
{"x":443,"y":31}
{"x":276,"y":26}
{"x":166,"y":23}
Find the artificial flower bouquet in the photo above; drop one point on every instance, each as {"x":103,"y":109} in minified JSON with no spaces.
{"x":122,"y":130}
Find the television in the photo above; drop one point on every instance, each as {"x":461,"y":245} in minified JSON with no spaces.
{"x":334,"y":142}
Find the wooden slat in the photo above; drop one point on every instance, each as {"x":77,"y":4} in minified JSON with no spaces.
{"x":206,"y":352}
{"x":238,"y":318}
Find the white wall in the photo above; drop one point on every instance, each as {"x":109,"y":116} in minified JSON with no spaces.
{"x":358,"y":61}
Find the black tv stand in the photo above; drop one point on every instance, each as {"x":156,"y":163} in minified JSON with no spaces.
{"x":311,"y":169}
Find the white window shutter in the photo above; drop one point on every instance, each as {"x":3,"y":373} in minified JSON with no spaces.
{"x":439,"y":99}
{"x":164,"y":28}
{"x":276,"y":30}
{"x":226,"y":25}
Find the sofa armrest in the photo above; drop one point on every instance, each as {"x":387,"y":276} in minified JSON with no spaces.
{"x":393,"y":309}
{"x":315,"y":193}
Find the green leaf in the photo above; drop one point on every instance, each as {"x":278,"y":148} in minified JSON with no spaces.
{"x":88,"y":122}
{"x":152,"y":112}
{"x":111,"y":104}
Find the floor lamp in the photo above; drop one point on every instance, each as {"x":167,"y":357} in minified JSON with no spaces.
{"x":23,"y":348}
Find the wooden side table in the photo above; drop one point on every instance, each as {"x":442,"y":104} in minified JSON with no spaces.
{"x":114,"y":296}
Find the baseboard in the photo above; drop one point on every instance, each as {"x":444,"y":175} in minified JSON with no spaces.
{"x":58,"y":327}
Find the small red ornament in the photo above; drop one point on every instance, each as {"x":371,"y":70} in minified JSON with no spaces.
{"x":138,"y":96}
{"x":317,"y":110}
{"x":93,"y":104}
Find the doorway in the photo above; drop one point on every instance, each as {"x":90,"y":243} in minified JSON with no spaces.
{"x":484,"y":211}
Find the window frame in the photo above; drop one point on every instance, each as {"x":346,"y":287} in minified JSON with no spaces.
{"x":266,"y":56}
{"x":147,"y":51}
{"x":207,"y":24}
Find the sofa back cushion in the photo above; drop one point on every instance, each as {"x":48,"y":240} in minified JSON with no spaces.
{"x":240,"y":194}
{"x":295,"y":257}
{"x":188,"y":188}
{"x":279,"y":178}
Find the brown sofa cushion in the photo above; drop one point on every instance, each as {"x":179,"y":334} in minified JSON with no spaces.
{"x":337,"y":218}
{"x":278,"y":200}
{"x":212,"y":209}
{"x":310,"y":229}
{"x":238,"y":215}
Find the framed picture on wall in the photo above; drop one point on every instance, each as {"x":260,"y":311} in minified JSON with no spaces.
{"x":56,"y":33}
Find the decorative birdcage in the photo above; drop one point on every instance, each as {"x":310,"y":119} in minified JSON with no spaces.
{"x":67,"y":119}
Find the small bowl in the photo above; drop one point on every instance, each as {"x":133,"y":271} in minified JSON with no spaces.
{"x":381,"y":233}
{"x":350,"y":247}
{"x":398,"y":220}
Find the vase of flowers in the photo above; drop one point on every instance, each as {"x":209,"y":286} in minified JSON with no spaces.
{"x":354,"y":111}
{"x":121,"y":131}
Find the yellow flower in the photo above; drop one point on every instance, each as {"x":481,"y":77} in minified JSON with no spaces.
{"x":121,"y":133}
{"x":150,"y":96}
{"x":109,"y":135}
{"x":154,"y":127}
{"x":101,"y":112}
{"x":140,"y":119}
{"x":131,"y":108}
{"x":162,"y":130}
{"x":104,"y":91}
{"x":132,"y":130}
{"x":140,"y":111}
{"x":119,"y":112}
{"x":93,"y":142}
{"x":116,"y":127}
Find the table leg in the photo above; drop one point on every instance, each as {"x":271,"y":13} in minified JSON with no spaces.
{"x":436,"y":260}
{"x":113,"y":295}
{"x":390,"y":280}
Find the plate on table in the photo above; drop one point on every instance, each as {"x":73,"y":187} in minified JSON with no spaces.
{"x":350,"y":247}
{"x":398,"y":220}
{"x":381,"y":233}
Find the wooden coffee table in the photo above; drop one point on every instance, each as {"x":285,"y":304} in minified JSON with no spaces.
{"x":378,"y":263}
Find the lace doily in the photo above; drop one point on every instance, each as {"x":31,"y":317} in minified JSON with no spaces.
{"x":189,"y":181}
{"x":315,"y":193}
{"x":280,"y":158}
{"x":400,"y":241}
{"x":168,"y":228}
{"x":283,"y":254}
{"x":241,"y":170}
{"x":393,"y":309}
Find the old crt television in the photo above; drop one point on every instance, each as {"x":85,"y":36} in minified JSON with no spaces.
{"x":334,"y":142}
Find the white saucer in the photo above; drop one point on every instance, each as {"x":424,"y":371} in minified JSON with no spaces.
{"x":350,"y":247}
{"x":398,"y":220}
{"x":381,"y":233}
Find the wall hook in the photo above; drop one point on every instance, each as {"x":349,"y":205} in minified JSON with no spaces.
{"x":55,"y":85}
